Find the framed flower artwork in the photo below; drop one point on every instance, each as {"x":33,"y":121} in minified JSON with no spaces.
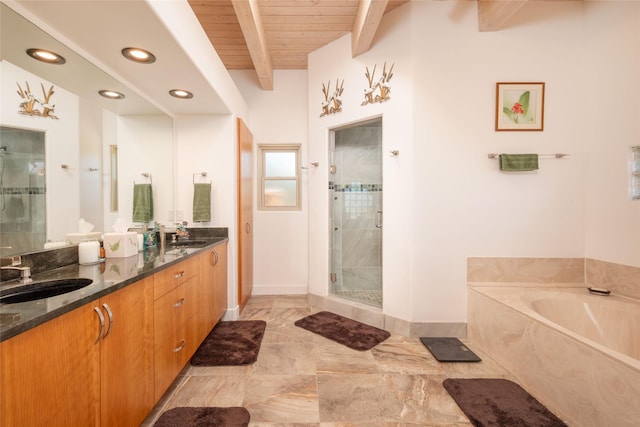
{"x":520,"y":106}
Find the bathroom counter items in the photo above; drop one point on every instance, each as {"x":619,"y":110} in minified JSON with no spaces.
{"x":107,"y":277}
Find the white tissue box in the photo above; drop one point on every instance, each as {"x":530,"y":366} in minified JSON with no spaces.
{"x":120,"y":268}
{"x":75,"y":238}
{"x":120,"y":245}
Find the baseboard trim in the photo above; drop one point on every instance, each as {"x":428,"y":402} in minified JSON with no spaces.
{"x":232,"y":313}
{"x":279,"y":289}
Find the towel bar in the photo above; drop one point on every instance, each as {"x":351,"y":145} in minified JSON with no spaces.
{"x":203,"y":174}
{"x":556,"y":155}
{"x":146,"y":175}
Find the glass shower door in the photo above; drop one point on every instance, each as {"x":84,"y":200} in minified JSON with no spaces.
{"x":355,"y":194}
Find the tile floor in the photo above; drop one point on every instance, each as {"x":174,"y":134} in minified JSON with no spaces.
{"x":303,"y":379}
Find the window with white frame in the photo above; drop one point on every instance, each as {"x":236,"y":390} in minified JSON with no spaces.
{"x":635,"y":172}
{"x":279,"y":174}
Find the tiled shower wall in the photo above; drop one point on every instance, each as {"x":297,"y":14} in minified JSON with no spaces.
{"x":356,"y":194}
{"x":22,"y":190}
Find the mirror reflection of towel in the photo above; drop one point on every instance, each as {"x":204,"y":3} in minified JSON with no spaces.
{"x":201,"y":202}
{"x":15,"y":207}
{"x":142,"y":203}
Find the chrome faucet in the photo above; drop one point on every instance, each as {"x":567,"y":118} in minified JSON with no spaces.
{"x":25,"y":272}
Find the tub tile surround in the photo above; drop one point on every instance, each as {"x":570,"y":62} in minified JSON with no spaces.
{"x":582,"y":384}
{"x":620,"y":279}
{"x":573,"y":380}
{"x":539,"y":271}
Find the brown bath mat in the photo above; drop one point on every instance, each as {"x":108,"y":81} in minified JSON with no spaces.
{"x":351,"y":333}
{"x":201,"y":417}
{"x":499,"y":402}
{"x":231,"y":343}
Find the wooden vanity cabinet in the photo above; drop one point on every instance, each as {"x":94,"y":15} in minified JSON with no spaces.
{"x":174,"y":312}
{"x":126,"y":356}
{"x":213,"y":285}
{"x":50,"y":375}
{"x":70,"y":371}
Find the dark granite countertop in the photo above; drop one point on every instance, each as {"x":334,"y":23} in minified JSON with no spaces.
{"x":108,"y":277}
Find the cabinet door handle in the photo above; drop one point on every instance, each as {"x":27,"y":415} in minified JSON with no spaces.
{"x":180,"y":347}
{"x":248,"y":227}
{"x":215,"y":256}
{"x":106,"y":307}
{"x":178,"y":275}
{"x":179,"y":303}
{"x":101,"y":317}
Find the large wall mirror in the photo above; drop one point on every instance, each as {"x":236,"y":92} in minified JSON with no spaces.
{"x":59,"y":165}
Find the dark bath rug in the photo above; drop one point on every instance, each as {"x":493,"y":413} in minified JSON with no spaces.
{"x":231,"y":343}
{"x":351,"y":333}
{"x":499,"y":402}
{"x":201,"y":417}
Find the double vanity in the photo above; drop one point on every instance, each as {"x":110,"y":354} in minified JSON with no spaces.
{"x":105,"y":354}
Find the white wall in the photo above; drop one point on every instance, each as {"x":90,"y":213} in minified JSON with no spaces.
{"x":207,"y":143}
{"x":612,"y":126}
{"x":444,"y":200}
{"x":145,"y":145}
{"x":279,"y":116}
{"x":325,"y":66}
{"x":61,"y":145}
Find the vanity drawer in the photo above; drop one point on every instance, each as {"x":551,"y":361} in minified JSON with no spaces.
{"x":173,"y":276}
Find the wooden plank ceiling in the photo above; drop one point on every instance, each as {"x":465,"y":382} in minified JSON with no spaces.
{"x":279,"y":34}
{"x":264,"y":35}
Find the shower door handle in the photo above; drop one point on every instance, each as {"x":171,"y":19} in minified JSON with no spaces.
{"x":378,"y":219}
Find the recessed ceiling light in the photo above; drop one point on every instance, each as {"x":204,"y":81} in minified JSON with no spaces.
{"x":138,"y":55}
{"x":180,"y":93}
{"x":46,"y":56}
{"x":111,"y":94}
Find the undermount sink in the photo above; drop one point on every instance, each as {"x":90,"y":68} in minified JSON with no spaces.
{"x":40,"y":290}
{"x":186,"y":242}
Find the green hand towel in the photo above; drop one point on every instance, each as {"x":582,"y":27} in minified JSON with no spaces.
{"x":142,"y":203}
{"x":518,"y":162}
{"x":201,"y":202}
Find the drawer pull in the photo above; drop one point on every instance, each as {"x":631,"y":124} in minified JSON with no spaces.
{"x":178,"y":275}
{"x":180,"y":347}
{"x":101,"y":317}
{"x":106,"y":307}
{"x":179,"y":303}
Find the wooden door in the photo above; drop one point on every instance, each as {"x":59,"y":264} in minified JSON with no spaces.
{"x":245,"y":214}
{"x":127,"y":355}
{"x":50,"y":375}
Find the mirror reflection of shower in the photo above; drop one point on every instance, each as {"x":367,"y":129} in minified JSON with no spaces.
{"x":22,"y":189}
{"x":355,"y":194}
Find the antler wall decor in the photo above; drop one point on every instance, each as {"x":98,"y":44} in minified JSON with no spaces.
{"x":332,"y":103}
{"x":29,"y":105}
{"x":379,"y":90}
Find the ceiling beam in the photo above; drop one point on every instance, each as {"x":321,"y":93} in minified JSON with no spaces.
{"x":493,"y":14}
{"x":253,"y":31}
{"x":366,"y":24}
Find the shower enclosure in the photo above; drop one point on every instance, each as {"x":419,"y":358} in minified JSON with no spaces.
{"x":22,"y":190}
{"x":355,"y":195}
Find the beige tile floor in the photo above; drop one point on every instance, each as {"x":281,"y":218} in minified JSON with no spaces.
{"x":303,"y":379}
